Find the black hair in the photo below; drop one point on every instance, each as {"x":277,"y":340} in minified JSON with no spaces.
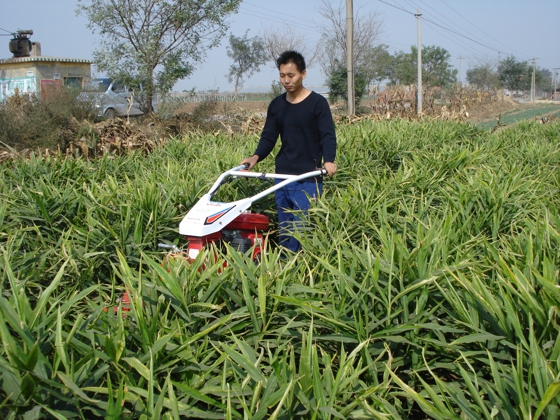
{"x":291,"y":56}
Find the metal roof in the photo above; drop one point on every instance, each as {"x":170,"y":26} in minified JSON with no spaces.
{"x":14,"y":60}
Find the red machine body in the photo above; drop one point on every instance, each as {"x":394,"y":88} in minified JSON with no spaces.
{"x":217,"y":222}
{"x":243,"y":233}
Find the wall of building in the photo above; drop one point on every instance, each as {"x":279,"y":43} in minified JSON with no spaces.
{"x":29,"y":74}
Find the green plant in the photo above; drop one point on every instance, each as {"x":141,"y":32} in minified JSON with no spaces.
{"x":428,"y":286}
{"x":338,"y":85}
{"x":276,"y":89}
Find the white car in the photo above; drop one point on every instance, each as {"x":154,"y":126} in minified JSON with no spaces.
{"x":112,"y":99}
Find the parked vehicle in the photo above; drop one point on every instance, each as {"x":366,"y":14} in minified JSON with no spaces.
{"x":112,"y":99}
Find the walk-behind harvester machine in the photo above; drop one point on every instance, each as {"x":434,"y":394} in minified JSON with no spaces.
{"x":215,"y":222}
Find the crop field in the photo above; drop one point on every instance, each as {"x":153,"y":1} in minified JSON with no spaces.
{"x":516,"y":116}
{"x":428,"y":286}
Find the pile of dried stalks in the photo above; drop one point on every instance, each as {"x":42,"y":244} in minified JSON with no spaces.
{"x":116,"y":136}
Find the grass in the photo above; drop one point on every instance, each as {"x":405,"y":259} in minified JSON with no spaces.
{"x":428,"y":287}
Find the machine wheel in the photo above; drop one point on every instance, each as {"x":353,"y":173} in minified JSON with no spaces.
{"x":110,"y":113}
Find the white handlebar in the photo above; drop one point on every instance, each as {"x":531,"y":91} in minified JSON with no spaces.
{"x":240,"y":171}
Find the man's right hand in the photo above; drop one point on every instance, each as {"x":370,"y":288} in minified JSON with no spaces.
{"x":252,"y":161}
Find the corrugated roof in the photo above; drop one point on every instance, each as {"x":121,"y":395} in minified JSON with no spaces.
{"x":14,"y":60}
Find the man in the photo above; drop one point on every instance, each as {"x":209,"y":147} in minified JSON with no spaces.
{"x":303,"y":120}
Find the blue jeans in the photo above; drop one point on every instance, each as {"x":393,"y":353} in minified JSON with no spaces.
{"x":291,"y":200}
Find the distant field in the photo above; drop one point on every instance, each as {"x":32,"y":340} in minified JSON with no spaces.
{"x":516,"y":116}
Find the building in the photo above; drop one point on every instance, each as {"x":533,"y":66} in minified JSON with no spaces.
{"x":30,"y":72}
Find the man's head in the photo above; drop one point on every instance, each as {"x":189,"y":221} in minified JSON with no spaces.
{"x":291,"y":66}
{"x":291,"y":57}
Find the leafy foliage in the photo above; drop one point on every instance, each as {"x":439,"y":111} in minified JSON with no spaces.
{"x":428,"y":287}
{"x":484,"y":76}
{"x":543,"y":79}
{"x":248,"y":56}
{"x":338,"y":85}
{"x":155,"y":43}
{"x":375,"y":64}
{"x":436,"y":67}
{"x":514,"y":74}
{"x":276,"y":89}
{"x":511,"y":73}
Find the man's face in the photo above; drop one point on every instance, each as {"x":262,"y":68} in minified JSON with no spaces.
{"x":290,"y":77}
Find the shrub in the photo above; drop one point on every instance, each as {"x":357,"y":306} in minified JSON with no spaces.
{"x":204,"y":115}
{"x":45,"y":121}
{"x":276,"y":89}
{"x":338,"y":86}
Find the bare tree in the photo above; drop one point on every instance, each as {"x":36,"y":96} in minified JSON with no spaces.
{"x":368,"y":28}
{"x":277,"y":41}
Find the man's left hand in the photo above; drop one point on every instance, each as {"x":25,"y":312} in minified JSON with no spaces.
{"x":331,"y":168}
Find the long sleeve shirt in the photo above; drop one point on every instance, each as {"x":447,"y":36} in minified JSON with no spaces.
{"x":307,"y":134}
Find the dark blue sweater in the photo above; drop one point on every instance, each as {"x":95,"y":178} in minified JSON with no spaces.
{"x":306,"y":130}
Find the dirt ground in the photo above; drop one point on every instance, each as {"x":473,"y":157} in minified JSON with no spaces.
{"x":475,"y":113}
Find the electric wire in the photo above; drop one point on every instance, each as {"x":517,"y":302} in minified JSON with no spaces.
{"x":289,"y":20}
{"x":445,"y":18}
{"x":457,"y":42}
{"x":508,"y":48}
{"x":10,"y":33}
{"x":464,"y":36}
{"x":441,"y":26}
{"x":279,"y":21}
{"x":396,"y":7}
{"x":451,"y":37}
{"x":427,"y":23}
{"x":304,"y":21}
{"x":489,"y":36}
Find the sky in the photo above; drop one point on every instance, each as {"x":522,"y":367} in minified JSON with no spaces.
{"x":470,"y":30}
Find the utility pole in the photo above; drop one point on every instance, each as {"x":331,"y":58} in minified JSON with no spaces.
{"x":460,"y":58}
{"x":419,"y":108}
{"x":350,"y":55}
{"x":554,"y":83}
{"x":533,"y":84}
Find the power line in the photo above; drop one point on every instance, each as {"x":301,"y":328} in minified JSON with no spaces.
{"x":280,"y":21}
{"x":429,"y":22}
{"x":459,"y":42}
{"x":396,"y":7}
{"x":464,"y":36}
{"x":489,"y":36}
{"x":305,"y":21}
{"x":445,"y":18}
{"x":443,"y":27}
{"x":414,"y":6}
